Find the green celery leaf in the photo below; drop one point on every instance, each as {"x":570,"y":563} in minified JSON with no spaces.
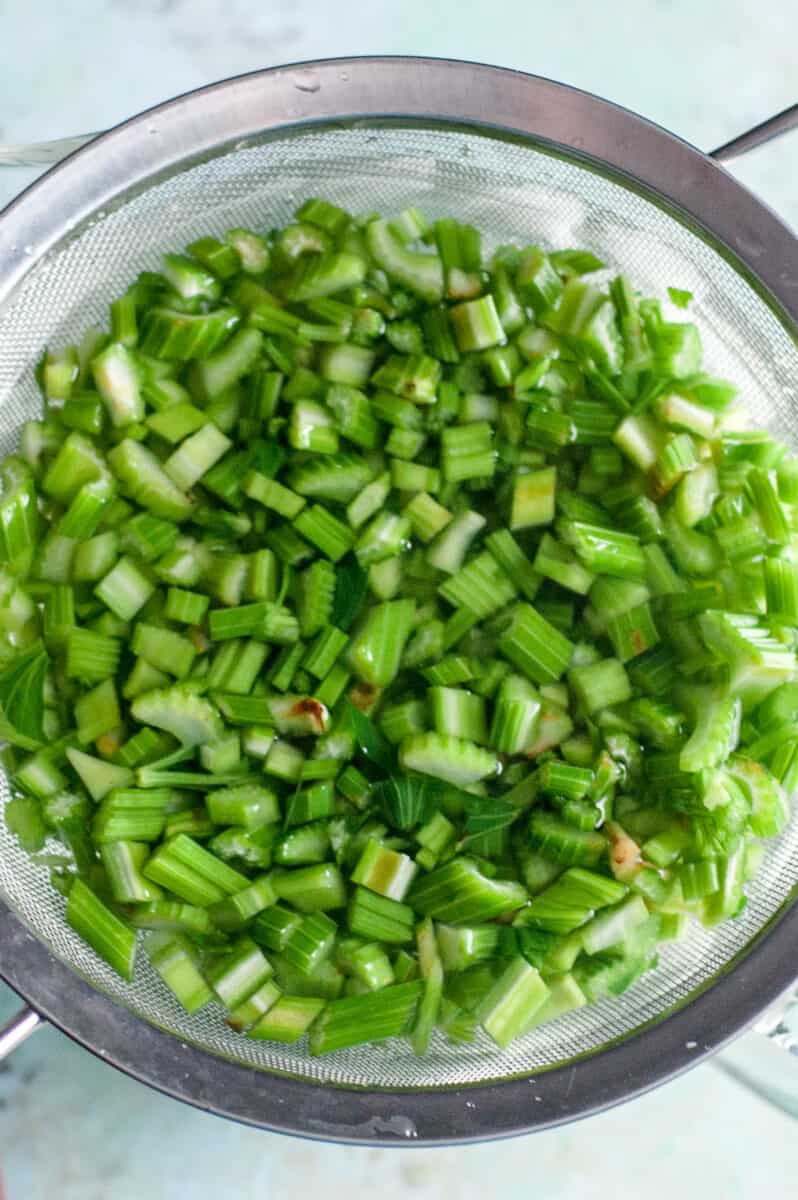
{"x":575,"y":262}
{"x":370,"y":741}
{"x":536,"y":944}
{"x":351,"y":584}
{"x":23,"y":815}
{"x":410,"y":800}
{"x":267,"y":457}
{"x":679,"y":297}
{"x":22,"y":696}
{"x":486,"y":814}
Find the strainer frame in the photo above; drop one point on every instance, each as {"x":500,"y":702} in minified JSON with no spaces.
{"x":619,"y":144}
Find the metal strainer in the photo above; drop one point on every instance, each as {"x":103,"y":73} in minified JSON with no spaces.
{"x":521,"y":158}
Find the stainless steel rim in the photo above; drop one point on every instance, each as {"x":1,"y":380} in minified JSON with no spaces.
{"x":616,"y":142}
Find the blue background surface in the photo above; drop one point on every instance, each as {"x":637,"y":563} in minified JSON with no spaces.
{"x":70,"y":1127}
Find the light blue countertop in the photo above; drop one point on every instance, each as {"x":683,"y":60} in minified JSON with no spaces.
{"x":705,"y":70}
{"x":71,"y":1128}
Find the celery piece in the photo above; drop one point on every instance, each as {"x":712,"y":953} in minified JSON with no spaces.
{"x":533,"y":499}
{"x":384,"y":871}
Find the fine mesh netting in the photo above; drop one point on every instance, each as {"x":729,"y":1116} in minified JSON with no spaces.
{"x":511,"y":191}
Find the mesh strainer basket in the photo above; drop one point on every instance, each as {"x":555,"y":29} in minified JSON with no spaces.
{"x":521,"y":158}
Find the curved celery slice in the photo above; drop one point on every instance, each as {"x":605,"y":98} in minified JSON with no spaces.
{"x":446,"y":757}
{"x":458,"y":892}
{"x":421,"y":273}
{"x":143,"y":478}
{"x":192,"y":719}
{"x":170,"y":334}
{"x":118,"y":379}
{"x":715,"y":735}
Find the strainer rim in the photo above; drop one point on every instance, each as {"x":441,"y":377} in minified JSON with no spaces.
{"x":589,"y":129}
{"x":646,"y":1058}
{"x":462,"y":92}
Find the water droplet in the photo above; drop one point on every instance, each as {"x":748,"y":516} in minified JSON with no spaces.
{"x":242,"y":145}
{"x":306,"y":81}
{"x":690,"y":1045}
{"x":27,"y":249}
{"x":749,"y":246}
{"x":344,"y":77}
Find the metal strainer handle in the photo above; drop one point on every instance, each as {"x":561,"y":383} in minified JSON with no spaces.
{"x":18,"y":1030}
{"x":43,"y":154}
{"x":764,"y":1060}
{"x":766,"y":131}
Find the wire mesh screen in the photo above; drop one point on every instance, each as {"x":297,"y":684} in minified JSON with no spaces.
{"x":513,"y":192}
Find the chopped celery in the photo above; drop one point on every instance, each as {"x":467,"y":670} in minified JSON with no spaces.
{"x":398,"y":661}
{"x":512,"y":1002}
